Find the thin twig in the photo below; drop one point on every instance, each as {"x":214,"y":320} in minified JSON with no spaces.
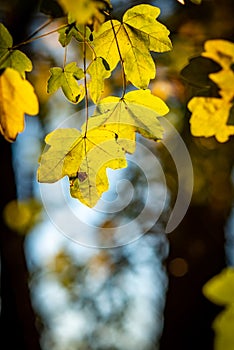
{"x":85,"y":85}
{"x":37,"y":37}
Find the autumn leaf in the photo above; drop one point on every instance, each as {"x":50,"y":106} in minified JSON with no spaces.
{"x":220,"y":290}
{"x":137,"y":111}
{"x":67,"y":80}
{"x":17,"y":98}
{"x":210,"y":114}
{"x":10,"y":57}
{"x":98,"y":72}
{"x":209,"y":118}
{"x":220,"y":51}
{"x":137,"y":35}
{"x":84,"y":158}
{"x":86,"y":11}
{"x":73,"y":30}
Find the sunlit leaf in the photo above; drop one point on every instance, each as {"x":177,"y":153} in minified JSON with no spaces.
{"x":137,"y":35}
{"x":138,"y":112}
{"x":209,"y":117}
{"x":10,"y":57}
{"x":86,"y":11}
{"x":73,"y":31}
{"x":84,"y":158}
{"x":220,"y":290}
{"x":17,"y":98}
{"x":98,"y":72}
{"x":67,"y":80}
{"x":223,"y":326}
{"x":221,"y":51}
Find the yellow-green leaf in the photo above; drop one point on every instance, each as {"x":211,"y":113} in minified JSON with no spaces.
{"x":209,"y":117}
{"x":223,"y":327}
{"x":220,"y":290}
{"x":84,"y":158}
{"x":67,"y":79}
{"x":137,"y":35}
{"x":10,"y":57}
{"x":73,"y":30}
{"x":86,"y":11}
{"x":17,"y":98}
{"x":137,"y":111}
{"x":98,"y":73}
{"x":59,"y":143}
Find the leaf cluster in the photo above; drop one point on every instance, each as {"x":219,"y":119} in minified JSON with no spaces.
{"x":110,"y":133}
{"x":210,"y":115}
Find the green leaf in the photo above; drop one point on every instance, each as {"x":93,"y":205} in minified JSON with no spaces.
{"x":137,"y":35}
{"x":73,"y":31}
{"x":12,"y":58}
{"x":67,"y":79}
{"x":98,"y":73}
{"x":5,"y":40}
{"x":137,"y":111}
{"x":84,"y":158}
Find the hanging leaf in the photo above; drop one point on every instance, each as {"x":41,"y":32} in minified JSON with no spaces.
{"x":17,"y":98}
{"x":73,"y":30}
{"x":137,"y":111}
{"x":220,"y":290}
{"x":209,"y":118}
{"x":67,"y":80}
{"x":210,"y":115}
{"x":84,"y":158}
{"x":137,"y":35}
{"x":89,"y":12}
{"x":98,"y":73}
{"x":10,"y":57}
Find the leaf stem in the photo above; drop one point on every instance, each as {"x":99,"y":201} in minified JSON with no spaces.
{"x":65,"y":57}
{"x":40,"y":28}
{"x":121,"y":60}
{"x":28,"y":41}
{"x":85,"y":85}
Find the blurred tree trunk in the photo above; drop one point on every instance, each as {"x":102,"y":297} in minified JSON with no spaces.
{"x":188,"y":316}
{"x":200,"y":241}
{"x":17,"y":321}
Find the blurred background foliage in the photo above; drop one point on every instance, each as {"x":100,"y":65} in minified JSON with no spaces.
{"x":145,"y":295}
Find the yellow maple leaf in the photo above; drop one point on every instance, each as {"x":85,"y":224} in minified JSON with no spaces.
{"x":209,"y":117}
{"x":220,"y":290}
{"x":86,"y":11}
{"x":210,"y":114}
{"x":220,"y":51}
{"x":137,"y":111}
{"x":17,"y":97}
{"x":84,"y":158}
{"x":137,"y":35}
